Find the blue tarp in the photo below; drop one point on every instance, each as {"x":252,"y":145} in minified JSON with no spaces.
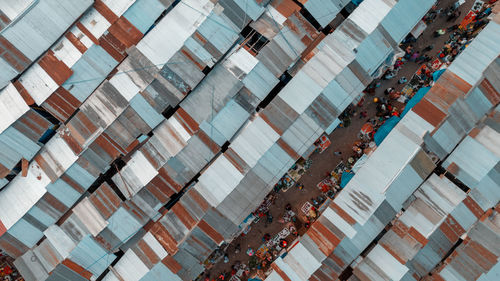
{"x":385,"y":129}
{"x":416,"y":98}
{"x":346,"y":177}
{"x":437,"y":74}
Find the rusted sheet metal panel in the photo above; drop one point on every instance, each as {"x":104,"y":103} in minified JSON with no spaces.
{"x":324,"y":238}
{"x":183,"y":215}
{"x":126,"y":129}
{"x":55,"y":68}
{"x":279,"y":115}
{"x":445,"y":92}
{"x":165,"y":239}
{"x":13,"y":56}
{"x":429,"y":112}
{"x":61,"y":104}
{"x":163,"y":186}
{"x":105,"y":200}
{"x":195,"y":203}
{"x":76,"y":42}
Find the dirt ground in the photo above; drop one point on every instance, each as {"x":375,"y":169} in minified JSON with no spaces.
{"x":342,"y":140}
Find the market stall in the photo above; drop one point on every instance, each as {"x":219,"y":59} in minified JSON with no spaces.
{"x":323,"y":143}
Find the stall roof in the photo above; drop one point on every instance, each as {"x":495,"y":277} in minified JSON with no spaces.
{"x":379,"y":174}
{"x":370,"y":14}
{"x":478,"y":55}
{"x":21,"y":194}
{"x":397,"y":24}
{"x":12,"y":106}
{"x":325,"y":11}
{"x":172,"y":31}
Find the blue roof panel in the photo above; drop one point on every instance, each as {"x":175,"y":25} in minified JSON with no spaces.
{"x":143,"y":13}
{"x":89,"y":72}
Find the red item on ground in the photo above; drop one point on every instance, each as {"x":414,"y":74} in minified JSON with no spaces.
{"x":367,"y":128}
{"x":361,"y":101}
{"x":7,"y":270}
{"x":283,"y":243}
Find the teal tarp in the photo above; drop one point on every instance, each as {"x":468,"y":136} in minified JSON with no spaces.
{"x":416,"y":98}
{"x":437,"y":74}
{"x":385,"y":129}
{"x":346,"y":177}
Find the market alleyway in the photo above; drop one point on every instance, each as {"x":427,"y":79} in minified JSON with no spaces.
{"x":323,"y":163}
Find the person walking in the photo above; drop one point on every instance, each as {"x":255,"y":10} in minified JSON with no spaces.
{"x":415,"y":56}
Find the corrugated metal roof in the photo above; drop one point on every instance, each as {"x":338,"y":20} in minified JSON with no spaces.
{"x":169,"y":35}
{"x":25,"y":192}
{"x":12,"y":106}
{"x":88,"y":253}
{"x":130,"y":266}
{"x":478,"y":55}
{"x":129,"y":105}
{"x":88,"y":72}
{"x":396,"y":23}
{"x":370,"y":14}
{"x":143,"y":13}
{"x":325,"y":11}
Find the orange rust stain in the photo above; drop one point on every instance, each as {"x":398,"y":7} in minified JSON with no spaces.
{"x":77,"y":268}
{"x":210,"y":231}
{"x":76,"y":42}
{"x":105,"y":11}
{"x":172,"y":264}
{"x":87,"y":33}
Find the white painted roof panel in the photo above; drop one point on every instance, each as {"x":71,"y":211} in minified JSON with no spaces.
{"x":163,"y":41}
{"x":12,"y":106}
{"x":38,"y":83}
{"x":17,"y":198}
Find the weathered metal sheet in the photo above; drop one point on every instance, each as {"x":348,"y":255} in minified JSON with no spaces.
{"x":169,"y":35}
{"x":325,"y":11}
{"x":89,"y":253}
{"x":89,"y":72}
{"x":480,"y":53}
{"x":12,"y":106}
